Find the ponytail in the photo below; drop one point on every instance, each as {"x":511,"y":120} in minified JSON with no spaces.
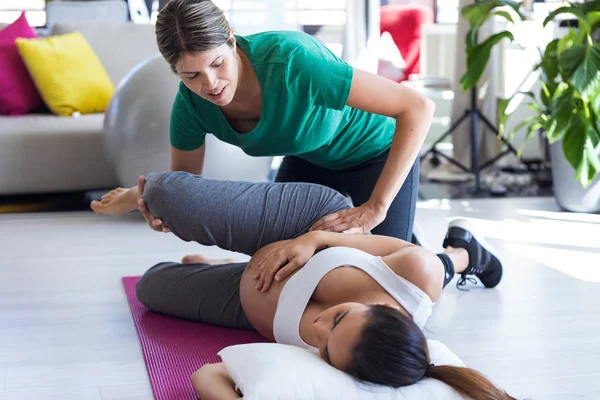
{"x":468,"y":382}
{"x":393,"y":351}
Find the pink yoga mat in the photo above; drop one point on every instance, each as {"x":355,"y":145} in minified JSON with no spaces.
{"x":174,"y":349}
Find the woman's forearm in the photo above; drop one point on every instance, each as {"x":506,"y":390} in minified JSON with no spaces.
{"x":376,"y":245}
{"x":213,"y":382}
{"x":411,"y":130}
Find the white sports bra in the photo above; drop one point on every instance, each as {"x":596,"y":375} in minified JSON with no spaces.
{"x":298,"y":290}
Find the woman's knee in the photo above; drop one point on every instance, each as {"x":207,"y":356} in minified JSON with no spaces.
{"x":167,"y":194}
{"x":149,"y":286}
{"x":425,"y":270}
{"x":159,"y":186}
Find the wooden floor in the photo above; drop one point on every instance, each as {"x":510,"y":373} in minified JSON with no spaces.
{"x":66,"y":331}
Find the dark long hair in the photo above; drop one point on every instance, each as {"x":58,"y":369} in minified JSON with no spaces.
{"x":393,"y":351}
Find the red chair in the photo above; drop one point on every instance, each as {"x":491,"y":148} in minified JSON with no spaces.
{"x":403,"y":22}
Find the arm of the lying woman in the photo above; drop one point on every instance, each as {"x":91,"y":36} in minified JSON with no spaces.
{"x":286,"y":258}
{"x":377,"y":245}
{"x":416,"y":264}
{"x":213,"y":382}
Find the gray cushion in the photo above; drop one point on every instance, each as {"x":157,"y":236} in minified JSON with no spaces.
{"x":45,"y":153}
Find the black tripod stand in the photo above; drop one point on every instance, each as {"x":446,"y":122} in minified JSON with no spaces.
{"x":475,"y":114}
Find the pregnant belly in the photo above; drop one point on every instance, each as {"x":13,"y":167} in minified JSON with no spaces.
{"x":258,"y":306}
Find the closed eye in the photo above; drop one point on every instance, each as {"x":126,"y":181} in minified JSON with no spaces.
{"x":217,"y":62}
{"x":336,"y":320}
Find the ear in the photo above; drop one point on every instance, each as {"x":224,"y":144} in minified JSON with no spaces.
{"x":232,"y":36}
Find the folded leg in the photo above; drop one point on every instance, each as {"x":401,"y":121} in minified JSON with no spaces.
{"x":237,"y":216}
{"x":197,"y":292}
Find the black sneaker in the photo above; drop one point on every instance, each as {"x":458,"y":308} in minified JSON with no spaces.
{"x":483,"y":262}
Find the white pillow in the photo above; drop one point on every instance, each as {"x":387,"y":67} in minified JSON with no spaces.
{"x":271,"y":371}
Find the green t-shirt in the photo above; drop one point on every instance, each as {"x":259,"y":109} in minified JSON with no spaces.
{"x":304,"y":91}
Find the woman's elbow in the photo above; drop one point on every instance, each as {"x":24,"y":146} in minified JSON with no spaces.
{"x":425,"y":105}
{"x":417,"y":107}
{"x":200,"y":380}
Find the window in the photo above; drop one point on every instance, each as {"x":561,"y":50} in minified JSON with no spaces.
{"x":302,"y":12}
{"x":11,"y":9}
{"x":447,"y":11}
{"x":319,"y":12}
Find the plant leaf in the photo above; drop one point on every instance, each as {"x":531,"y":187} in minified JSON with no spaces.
{"x":504,"y":14}
{"x":595,"y":103}
{"x":584,"y":172}
{"x":532,"y":129}
{"x":547,"y":92}
{"x":593,"y":17}
{"x":594,"y":131}
{"x":501,"y":110}
{"x":549,"y":61}
{"x":566,"y":42}
{"x":592,"y":154}
{"x":586,"y":77}
{"x":574,"y":142}
{"x":471,"y":37}
{"x":570,"y":59}
{"x":588,"y":6}
{"x":478,"y":57}
{"x":502,"y":116}
{"x":476,"y":14}
{"x":562,"y":108}
{"x":535,"y":107}
{"x":589,"y":167}
{"x":526,"y":122}
{"x":594,"y":106}
{"x":584,"y":24}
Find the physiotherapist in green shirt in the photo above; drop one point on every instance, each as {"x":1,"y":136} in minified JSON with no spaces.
{"x":285,"y":94}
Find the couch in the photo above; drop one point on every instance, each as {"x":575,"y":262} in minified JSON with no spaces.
{"x":44,"y":153}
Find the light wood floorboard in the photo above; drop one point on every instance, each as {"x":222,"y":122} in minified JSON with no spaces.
{"x":133,"y":391}
{"x":61,"y":393}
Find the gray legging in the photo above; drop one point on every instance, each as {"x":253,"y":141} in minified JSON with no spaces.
{"x":237,"y":216}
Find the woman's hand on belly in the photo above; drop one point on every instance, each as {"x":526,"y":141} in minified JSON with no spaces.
{"x":282,"y":260}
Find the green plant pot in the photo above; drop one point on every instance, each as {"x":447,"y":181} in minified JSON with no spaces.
{"x":569,"y":193}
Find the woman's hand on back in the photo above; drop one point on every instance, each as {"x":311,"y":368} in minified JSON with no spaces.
{"x":154,"y":223}
{"x":354,"y":220}
{"x":283,"y":259}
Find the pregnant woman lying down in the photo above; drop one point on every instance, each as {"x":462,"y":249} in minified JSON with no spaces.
{"x":359,"y":300}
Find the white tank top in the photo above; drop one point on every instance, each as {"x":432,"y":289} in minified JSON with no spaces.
{"x":298,"y":290}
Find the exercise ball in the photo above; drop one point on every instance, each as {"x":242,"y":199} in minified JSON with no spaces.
{"x":136,"y":122}
{"x":136,"y":131}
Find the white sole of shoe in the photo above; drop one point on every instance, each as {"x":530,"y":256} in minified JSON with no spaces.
{"x":418,"y":232}
{"x":466,"y":225}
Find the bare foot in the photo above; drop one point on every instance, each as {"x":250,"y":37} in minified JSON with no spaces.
{"x":116,"y":202}
{"x":200,"y":259}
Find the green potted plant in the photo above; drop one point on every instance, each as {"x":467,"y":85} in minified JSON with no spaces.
{"x":567,"y":105}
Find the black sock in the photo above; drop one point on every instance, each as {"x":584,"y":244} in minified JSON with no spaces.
{"x":448,"y":267}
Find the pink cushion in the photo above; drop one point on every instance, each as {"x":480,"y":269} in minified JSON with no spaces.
{"x":18,"y":94}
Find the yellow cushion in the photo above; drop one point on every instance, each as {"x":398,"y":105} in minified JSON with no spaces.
{"x":68,"y":74}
